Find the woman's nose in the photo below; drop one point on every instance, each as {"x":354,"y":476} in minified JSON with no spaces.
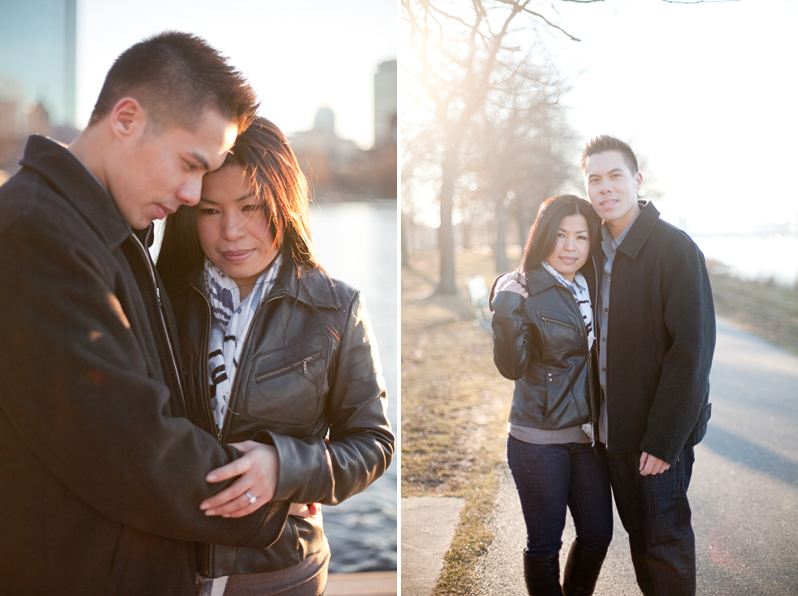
{"x":232,"y":227}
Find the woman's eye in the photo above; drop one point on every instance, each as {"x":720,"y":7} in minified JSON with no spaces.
{"x":207,"y":211}
{"x":250,"y":208}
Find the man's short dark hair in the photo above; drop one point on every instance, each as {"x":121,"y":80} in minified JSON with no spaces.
{"x":175,"y":77}
{"x":604,"y":143}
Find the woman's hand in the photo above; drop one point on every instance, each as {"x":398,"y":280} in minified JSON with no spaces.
{"x":304,"y":509}
{"x":257,"y":468}
{"x":512,"y":282}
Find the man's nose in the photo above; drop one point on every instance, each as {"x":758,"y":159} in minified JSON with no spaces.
{"x":190,"y":191}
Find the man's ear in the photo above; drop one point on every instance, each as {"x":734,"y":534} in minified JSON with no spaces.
{"x":128,"y":119}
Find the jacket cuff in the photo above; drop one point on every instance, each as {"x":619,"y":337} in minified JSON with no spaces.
{"x":305,"y":469}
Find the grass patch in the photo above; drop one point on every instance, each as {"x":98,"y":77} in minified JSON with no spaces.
{"x":763,"y":308}
{"x":454,"y":409}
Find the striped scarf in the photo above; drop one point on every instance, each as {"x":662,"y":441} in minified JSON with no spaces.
{"x":231,"y":318}
{"x":579,"y":289}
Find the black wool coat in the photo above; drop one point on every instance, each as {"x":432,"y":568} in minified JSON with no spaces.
{"x":100,"y":475}
{"x":660,"y":341}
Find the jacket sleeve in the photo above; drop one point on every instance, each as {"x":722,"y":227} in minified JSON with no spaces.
{"x":361,"y":444}
{"x":510,"y":325}
{"x":683,"y":388}
{"x":76,"y":391}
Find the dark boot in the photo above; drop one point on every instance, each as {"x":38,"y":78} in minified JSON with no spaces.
{"x":542,"y":575}
{"x":582,"y":570}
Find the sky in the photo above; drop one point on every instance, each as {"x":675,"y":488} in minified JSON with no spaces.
{"x":706,"y":93}
{"x":298,"y":55}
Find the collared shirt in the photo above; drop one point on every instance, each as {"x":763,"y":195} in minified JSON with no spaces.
{"x":609,"y":245}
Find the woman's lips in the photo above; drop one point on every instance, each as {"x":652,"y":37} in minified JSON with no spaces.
{"x":236,"y":256}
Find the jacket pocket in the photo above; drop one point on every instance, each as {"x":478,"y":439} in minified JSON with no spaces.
{"x":287,"y":386}
{"x":559,"y":332}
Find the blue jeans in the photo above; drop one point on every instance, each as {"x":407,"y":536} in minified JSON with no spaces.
{"x":550,"y":478}
{"x":656,"y":514}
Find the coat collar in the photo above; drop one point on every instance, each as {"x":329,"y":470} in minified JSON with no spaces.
{"x":313,"y":287}
{"x":539,"y":279}
{"x":56,"y":164}
{"x":640,"y":230}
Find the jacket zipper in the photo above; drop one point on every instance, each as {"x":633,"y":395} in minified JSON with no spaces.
{"x":317,"y":355}
{"x":555,"y":321}
{"x":244,"y":353}
{"x":162,"y":319}
{"x":207,"y":548}
{"x":583,"y":333}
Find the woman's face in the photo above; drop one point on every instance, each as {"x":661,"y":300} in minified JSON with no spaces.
{"x":232,"y":227}
{"x":572,"y":247}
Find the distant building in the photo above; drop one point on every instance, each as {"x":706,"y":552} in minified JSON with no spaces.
{"x":37,"y":73}
{"x":337,"y":168}
{"x":323,"y":156}
{"x":385,"y":105}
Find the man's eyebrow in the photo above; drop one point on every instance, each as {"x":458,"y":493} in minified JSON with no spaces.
{"x":202,"y":159}
{"x":613,"y":170}
{"x":238,"y":200}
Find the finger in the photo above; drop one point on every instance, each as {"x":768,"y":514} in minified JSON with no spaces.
{"x":314,"y":508}
{"x":299,"y":509}
{"x":236,"y":503}
{"x":231,"y":470}
{"x":232,"y":492}
{"x":643,"y":461}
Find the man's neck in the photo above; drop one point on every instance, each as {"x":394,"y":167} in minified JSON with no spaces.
{"x":87,"y":148}
{"x":618,"y":226}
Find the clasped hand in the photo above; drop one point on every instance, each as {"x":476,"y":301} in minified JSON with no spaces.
{"x":512,"y":282}
{"x":258,"y":472}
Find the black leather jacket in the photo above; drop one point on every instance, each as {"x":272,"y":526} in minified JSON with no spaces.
{"x":540,"y":342}
{"x":308,"y":366}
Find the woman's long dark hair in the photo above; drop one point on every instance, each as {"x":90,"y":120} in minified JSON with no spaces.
{"x":278,"y":182}
{"x":543,"y":235}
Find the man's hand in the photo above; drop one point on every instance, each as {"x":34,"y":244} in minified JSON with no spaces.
{"x":258,"y":469}
{"x":650,"y":465}
{"x":512,"y":282}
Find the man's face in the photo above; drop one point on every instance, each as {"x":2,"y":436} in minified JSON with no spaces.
{"x":612,"y":189}
{"x":157,"y":172}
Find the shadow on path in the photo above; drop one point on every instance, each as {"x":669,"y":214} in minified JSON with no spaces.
{"x":742,"y":451}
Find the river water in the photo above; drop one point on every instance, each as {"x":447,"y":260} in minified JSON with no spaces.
{"x":753,"y":257}
{"x":357,"y":243}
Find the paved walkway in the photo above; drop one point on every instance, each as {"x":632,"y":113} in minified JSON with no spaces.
{"x":744,"y":491}
{"x":428,"y":525}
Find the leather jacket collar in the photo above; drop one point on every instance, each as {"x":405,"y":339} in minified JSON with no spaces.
{"x":539,"y":279}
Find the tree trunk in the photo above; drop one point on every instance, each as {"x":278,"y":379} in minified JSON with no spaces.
{"x":501,"y":232}
{"x":446,"y":232}
{"x":404,"y":230}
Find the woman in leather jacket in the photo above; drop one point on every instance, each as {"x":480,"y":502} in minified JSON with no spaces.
{"x":544,"y":341}
{"x":279,"y":360}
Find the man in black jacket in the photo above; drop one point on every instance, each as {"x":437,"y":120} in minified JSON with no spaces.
{"x":656,"y":324}
{"x":101,"y":476}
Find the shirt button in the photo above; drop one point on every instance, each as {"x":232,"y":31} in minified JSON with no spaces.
{"x":603,"y":339}
{"x":603,"y":369}
{"x":605,"y":310}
